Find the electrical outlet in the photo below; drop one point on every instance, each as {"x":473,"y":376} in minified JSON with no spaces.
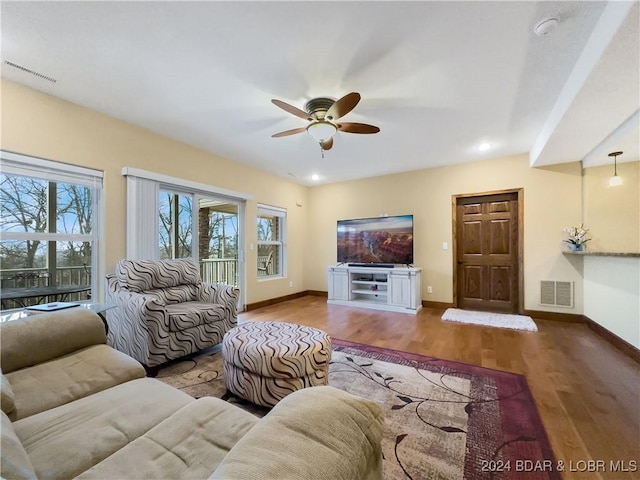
{"x":429,"y":289}
{"x":290,"y":284}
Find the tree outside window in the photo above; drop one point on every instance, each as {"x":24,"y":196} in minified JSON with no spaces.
{"x":176,"y":225}
{"x":47,"y":231}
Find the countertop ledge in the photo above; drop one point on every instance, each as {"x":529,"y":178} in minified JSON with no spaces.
{"x":603,"y":254}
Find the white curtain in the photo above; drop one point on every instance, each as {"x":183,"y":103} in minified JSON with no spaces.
{"x":142,"y":218}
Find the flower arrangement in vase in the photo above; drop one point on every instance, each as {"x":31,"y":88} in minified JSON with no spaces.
{"x":577,"y":237}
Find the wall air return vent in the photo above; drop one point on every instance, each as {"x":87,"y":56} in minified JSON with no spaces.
{"x":557,"y":294}
{"x":29,"y":71}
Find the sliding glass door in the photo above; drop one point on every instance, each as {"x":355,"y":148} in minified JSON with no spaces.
{"x":205,"y":228}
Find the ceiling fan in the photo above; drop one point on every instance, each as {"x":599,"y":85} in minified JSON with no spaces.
{"x":322,"y":114}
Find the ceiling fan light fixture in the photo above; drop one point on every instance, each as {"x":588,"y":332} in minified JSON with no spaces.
{"x":322,"y":130}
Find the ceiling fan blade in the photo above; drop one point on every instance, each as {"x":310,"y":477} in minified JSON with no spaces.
{"x":350,"y":127}
{"x":291,"y":109}
{"x":343,"y":106}
{"x":289,"y":132}
{"x":327,"y":144}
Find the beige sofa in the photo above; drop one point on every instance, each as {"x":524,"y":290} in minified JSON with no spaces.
{"x":72,"y":407}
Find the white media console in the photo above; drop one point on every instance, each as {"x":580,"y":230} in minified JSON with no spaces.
{"x":394,"y":289}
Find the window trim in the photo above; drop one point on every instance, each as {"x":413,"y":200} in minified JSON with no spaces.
{"x":189,"y":186}
{"x":281,"y":214}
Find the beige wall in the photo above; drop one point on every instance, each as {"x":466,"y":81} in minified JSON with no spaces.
{"x":612,"y":214}
{"x":612,"y":284}
{"x":44,"y":126}
{"x":552,"y":200}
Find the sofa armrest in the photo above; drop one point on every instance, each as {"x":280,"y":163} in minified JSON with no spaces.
{"x":14,"y":463}
{"x":138,"y":307}
{"x":45,"y":336}
{"x":226,"y":295}
{"x":314,"y":433}
{"x":138,"y":325}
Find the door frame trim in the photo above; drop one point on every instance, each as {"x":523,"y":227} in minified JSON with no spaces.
{"x":454,"y":250}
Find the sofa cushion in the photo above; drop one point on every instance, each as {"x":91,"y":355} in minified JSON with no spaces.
{"x":88,"y":430}
{"x":70,"y":377}
{"x":7,"y":398}
{"x":144,"y":275}
{"x":191,"y":314}
{"x":189,"y":444}
{"x":313,"y":434}
{"x":42,"y":337}
{"x":14,"y":461}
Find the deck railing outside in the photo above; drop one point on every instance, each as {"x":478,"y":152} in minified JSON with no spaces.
{"x":219,"y":270}
{"x":39,"y":277}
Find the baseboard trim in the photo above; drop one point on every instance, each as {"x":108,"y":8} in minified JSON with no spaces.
{"x":273,"y":301}
{"x":620,"y":343}
{"x":557,"y":316}
{"x":428,"y":304}
{"x":317,"y":293}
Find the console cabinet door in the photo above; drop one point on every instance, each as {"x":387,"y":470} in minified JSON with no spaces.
{"x":401,"y":290}
{"x":338,"y":284}
{"x":406,"y":289}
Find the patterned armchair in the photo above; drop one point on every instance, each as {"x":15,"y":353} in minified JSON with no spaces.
{"x":164,"y":310}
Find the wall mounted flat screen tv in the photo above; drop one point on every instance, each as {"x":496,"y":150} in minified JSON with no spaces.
{"x":379,"y":240}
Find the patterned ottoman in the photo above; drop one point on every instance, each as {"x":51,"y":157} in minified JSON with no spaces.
{"x":266,"y":361}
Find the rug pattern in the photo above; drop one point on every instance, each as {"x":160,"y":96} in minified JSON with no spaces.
{"x":443,"y":419}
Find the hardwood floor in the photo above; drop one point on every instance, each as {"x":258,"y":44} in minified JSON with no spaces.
{"x":587,"y":392}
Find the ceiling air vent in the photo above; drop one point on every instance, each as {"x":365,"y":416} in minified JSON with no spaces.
{"x":26,"y":70}
{"x":557,"y":294}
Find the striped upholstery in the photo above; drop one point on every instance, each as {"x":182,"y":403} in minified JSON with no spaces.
{"x":144,"y":275}
{"x":164,"y":310}
{"x":266,"y":361}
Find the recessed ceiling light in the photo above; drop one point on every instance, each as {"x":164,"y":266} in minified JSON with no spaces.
{"x":484,"y":146}
{"x":315,"y":177}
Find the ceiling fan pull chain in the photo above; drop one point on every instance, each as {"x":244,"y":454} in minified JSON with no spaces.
{"x":321,"y":149}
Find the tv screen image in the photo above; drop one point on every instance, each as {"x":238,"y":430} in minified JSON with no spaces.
{"x":387,"y":240}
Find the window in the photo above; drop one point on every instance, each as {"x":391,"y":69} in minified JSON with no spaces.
{"x":271,"y":241}
{"x":49,"y":225}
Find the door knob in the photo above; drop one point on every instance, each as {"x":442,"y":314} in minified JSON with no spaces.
{"x":459,"y":262}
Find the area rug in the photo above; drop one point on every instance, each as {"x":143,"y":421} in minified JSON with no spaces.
{"x":489,"y":319}
{"x":443,"y":419}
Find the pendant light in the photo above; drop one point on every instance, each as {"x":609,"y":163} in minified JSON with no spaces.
{"x":615,"y":181}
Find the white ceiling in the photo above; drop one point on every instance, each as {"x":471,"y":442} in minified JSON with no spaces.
{"x":438,"y":78}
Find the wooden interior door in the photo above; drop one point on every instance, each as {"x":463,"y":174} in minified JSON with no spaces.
{"x":487,"y":252}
